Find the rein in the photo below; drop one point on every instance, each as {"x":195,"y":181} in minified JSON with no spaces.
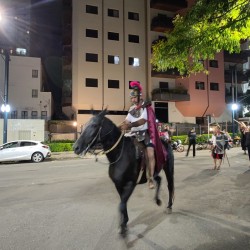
{"x":109,"y":150}
{"x":114,"y":146}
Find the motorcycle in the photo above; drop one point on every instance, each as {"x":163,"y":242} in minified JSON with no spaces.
{"x":177,"y":146}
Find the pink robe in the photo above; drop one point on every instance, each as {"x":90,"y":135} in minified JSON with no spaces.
{"x":160,"y":150}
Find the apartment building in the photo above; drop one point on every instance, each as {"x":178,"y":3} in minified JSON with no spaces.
{"x":25,"y":90}
{"x":111,"y":46}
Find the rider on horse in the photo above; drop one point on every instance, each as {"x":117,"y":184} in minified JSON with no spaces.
{"x":142,"y":122}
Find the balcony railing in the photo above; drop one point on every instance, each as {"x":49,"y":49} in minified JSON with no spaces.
{"x":173,"y":95}
{"x":162,"y":23}
{"x":170,"y":73}
{"x":241,"y":76}
{"x":168,"y":5}
{"x":241,"y":57}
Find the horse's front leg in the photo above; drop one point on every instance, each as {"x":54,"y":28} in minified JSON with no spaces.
{"x":157,"y":191}
{"x":124,"y":192}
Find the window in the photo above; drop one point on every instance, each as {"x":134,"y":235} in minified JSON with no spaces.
{"x":200,"y":85}
{"x":24,"y":115}
{"x":44,"y":115}
{"x":13,"y":114}
{"x":133,"y":38}
{"x":134,"y":61}
{"x":34,"y":93}
{"x":34,"y":73}
{"x":91,"y":82}
{"x":133,"y":16}
{"x":27,"y":143}
{"x":91,"y":33}
{"x":213,"y":63}
{"x":113,"y":59}
{"x":91,"y":9}
{"x":214,"y":86}
{"x":113,"y":36}
{"x":163,"y":85}
{"x":91,"y":57}
{"x":34,"y":114}
{"x":113,"y":13}
{"x":113,"y":84}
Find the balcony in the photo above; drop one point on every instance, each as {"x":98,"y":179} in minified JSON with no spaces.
{"x":171,"y":95}
{"x":162,"y":23}
{"x":241,"y":77}
{"x":170,"y":73}
{"x":168,"y":5}
{"x":241,"y":57}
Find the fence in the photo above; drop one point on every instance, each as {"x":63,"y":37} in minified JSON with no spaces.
{"x":184,"y":128}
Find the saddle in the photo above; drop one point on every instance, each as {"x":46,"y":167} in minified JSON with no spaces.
{"x":140,"y":157}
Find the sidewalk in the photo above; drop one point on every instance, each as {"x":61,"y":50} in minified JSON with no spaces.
{"x":199,"y":153}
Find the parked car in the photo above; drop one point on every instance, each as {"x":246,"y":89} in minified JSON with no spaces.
{"x":21,"y":150}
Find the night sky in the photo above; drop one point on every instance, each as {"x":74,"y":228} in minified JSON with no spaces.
{"x":46,"y":42}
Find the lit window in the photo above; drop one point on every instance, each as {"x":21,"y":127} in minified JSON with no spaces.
{"x":113,"y":59}
{"x":134,"y":61}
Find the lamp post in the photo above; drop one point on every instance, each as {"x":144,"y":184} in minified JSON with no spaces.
{"x":234,"y":107}
{"x":5,"y":108}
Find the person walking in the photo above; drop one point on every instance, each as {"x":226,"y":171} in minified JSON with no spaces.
{"x":220,"y":141}
{"x":191,"y":141}
{"x":247,"y":141}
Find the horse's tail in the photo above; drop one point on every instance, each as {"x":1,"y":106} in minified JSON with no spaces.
{"x":169,"y":171}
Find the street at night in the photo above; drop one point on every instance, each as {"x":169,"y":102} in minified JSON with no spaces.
{"x":72,"y":204}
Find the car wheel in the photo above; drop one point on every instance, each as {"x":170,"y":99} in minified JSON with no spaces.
{"x":37,"y":157}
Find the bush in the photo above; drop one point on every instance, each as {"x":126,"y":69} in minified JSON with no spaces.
{"x":61,"y":146}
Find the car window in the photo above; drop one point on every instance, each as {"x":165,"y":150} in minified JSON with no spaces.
{"x":11,"y":145}
{"x":27,"y":143}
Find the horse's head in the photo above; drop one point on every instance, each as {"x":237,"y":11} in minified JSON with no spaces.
{"x":90,"y":134}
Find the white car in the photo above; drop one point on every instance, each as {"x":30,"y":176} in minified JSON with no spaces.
{"x":21,"y":150}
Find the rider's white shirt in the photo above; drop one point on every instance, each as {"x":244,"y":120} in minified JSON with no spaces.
{"x":143,"y":115}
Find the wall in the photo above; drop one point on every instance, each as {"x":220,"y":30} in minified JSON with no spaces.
{"x":27,"y":129}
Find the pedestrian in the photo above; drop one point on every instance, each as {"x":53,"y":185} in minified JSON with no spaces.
{"x":191,"y":141}
{"x":142,"y":122}
{"x":243,"y":129}
{"x":247,"y":140}
{"x":220,"y":141}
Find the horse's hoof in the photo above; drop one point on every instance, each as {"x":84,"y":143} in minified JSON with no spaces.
{"x":158,"y":202}
{"x":123,"y":231}
{"x":169,"y":206}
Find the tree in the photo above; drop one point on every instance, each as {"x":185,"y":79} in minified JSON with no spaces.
{"x":209,"y":27}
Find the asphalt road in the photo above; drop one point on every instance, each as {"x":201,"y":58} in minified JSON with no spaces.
{"x":70,"y":203}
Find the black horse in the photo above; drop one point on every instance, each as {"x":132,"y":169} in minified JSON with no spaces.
{"x":124,"y":163}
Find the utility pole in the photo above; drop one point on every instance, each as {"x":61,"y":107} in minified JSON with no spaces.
{"x":6,"y":107}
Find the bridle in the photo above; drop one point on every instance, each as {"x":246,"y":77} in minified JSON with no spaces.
{"x":98,"y":138}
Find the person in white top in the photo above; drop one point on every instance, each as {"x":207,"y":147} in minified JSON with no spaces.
{"x":136,"y":121}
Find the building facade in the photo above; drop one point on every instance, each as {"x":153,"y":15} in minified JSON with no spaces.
{"x":25,"y":90}
{"x":108,"y":43}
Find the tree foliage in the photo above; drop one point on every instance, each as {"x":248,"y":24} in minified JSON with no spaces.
{"x":209,"y":27}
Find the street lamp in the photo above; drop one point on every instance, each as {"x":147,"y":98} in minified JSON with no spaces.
{"x":5,"y":108}
{"x":234,"y":107}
